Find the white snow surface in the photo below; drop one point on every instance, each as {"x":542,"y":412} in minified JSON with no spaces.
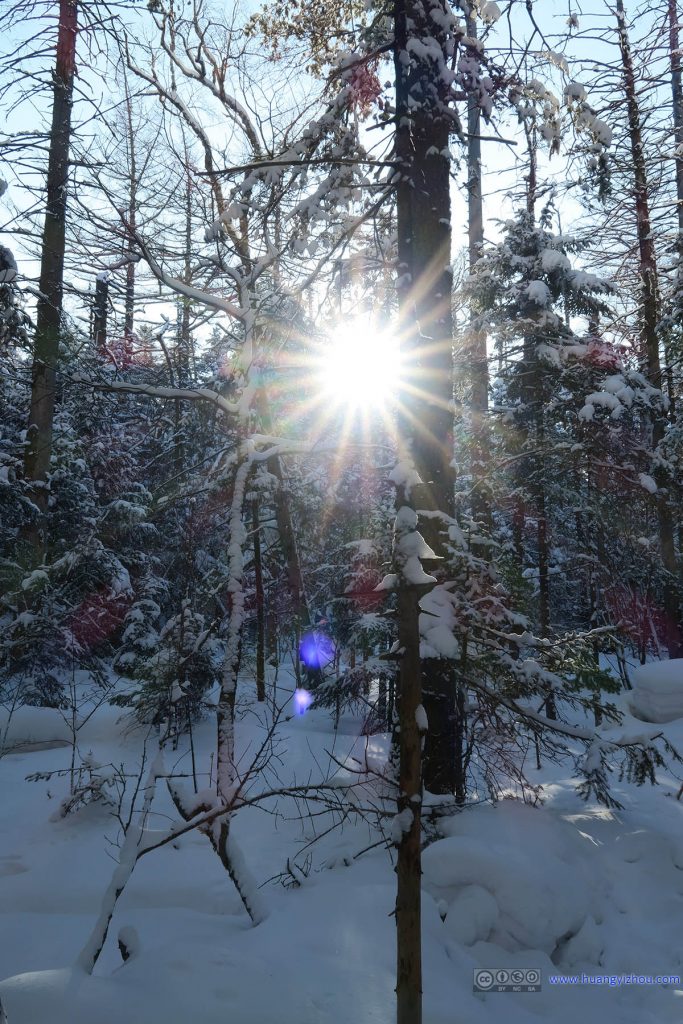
{"x":539,"y":898}
{"x":564,"y":887}
{"x":25,"y":725}
{"x":657,"y":694}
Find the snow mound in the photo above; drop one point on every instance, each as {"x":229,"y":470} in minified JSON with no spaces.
{"x":657,"y":694}
{"x":586,"y":946}
{"x":472,"y":915}
{"x":513,"y":874}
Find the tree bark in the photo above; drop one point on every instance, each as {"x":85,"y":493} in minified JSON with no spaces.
{"x":184,"y":348}
{"x":260,"y":604}
{"x":477,"y":356}
{"x":677,"y":110}
{"x":534,"y":466}
{"x":650,"y":309}
{"x":409,"y":804}
{"x":100,"y":313}
{"x":677,"y":116}
{"x":285,"y":524}
{"x":649,"y":305}
{"x":426,"y":328}
{"x":50,"y":299}
{"x":424,"y":289}
{"x":129,"y":299}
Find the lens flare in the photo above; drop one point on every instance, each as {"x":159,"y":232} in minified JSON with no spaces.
{"x":302,"y":701}
{"x":316,"y":650}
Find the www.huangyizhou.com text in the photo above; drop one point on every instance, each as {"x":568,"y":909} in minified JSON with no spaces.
{"x":614,"y":980}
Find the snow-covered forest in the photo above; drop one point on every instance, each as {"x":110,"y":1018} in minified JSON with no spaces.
{"x":341,"y":538}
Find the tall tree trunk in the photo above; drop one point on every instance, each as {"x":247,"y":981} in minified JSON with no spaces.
{"x":129,"y":300}
{"x":260,"y":604}
{"x":649,"y":305}
{"x":183,"y":345}
{"x":534,"y":401}
{"x":100,"y":313}
{"x":543,"y":558}
{"x":426,"y":328}
{"x":677,"y":110}
{"x":677,"y":115}
{"x":49,"y":305}
{"x":460,"y":781}
{"x":410,"y":738}
{"x":285,"y":525}
{"x":184,"y":337}
{"x":650,"y":309}
{"x":477,"y":355}
{"x":426,"y":426}
{"x":226,"y":771}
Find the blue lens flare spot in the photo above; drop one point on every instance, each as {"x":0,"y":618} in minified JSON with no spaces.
{"x":316,"y":650}
{"x":302,"y":701}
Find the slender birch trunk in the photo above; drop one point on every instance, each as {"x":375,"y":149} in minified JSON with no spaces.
{"x":260,"y":604}
{"x":226,"y":774}
{"x":129,"y":855}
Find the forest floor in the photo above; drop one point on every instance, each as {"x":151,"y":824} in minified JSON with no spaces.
{"x":565,"y":888}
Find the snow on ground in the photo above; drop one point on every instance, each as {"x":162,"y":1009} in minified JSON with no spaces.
{"x":565,"y":887}
{"x":21,"y":727}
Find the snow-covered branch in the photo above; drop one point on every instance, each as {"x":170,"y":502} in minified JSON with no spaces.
{"x":152,"y":391}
